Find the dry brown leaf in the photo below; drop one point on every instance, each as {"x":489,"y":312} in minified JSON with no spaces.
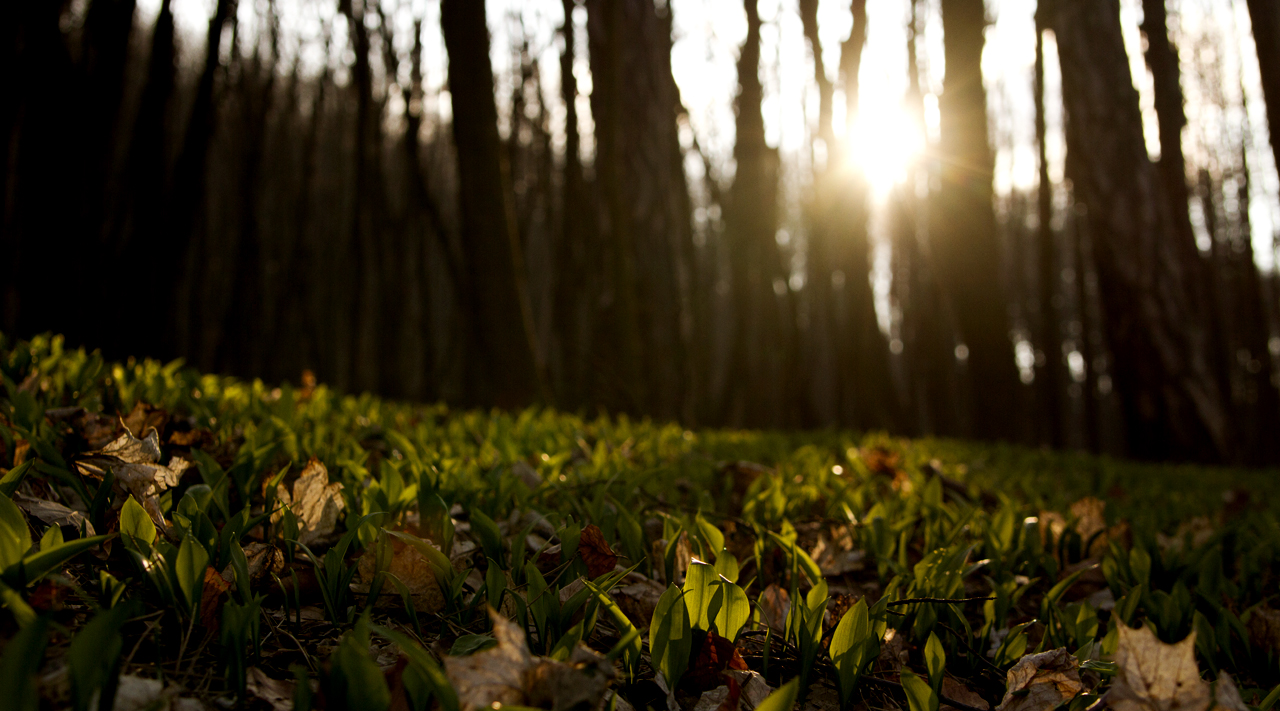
{"x":210,"y":599}
{"x":834,"y":561}
{"x":957,"y":691}
{"x":411,"y":567}
{"x":315,"y":502}
{"x":1048,"y":679}
{"x":134,"y":463}
{"x":53,"y":513}
{"x":638,"y":598}
{"x":775,"y":605}
{"x":754,"y":688}
{"x":1154,"y":676}
{"x":1226,"y":697}
{"x":276,"y":693}
{"x":509,"y":674}
{"x":1197,"y":531}
{"x":595,"y":552}
{"x":1264,"y":628}
{"x":721,"y":698}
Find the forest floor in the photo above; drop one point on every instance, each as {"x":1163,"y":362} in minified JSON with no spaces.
{"x":170,"y":539}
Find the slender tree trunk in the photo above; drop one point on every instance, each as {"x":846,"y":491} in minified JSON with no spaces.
{"x":1265,"y":17}
{"x":963,"y":236}
{"x":499,"y":360}
{"x":1170,"y":398}
{"x":1051,"y":381}
{"x":756,"y":368}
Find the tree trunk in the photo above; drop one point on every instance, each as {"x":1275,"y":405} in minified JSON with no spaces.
{"x":639,"y":163}
{"x":1265,"y":17}
{"x":1170,"y":398}
{"x":1051,"y":381}
{"x":758,"y":362}
{"x":499,"y":358}
{"x":963,"y":237}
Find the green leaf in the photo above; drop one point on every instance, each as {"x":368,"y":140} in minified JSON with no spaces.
{"x":419,"y":658}
{"x":810,"y":568}
{"x":727,"y":566}
{"x":495,"y":584}
{"x":783,"y":698}
{"x":355,"y":680}
{"x":23,"y":655}
{"x":853,"y":646}
{"x":190,"y":567}
{"x":471,"y":643}
{"x":487,"y":532}
{"x":135,"y":523}
{"x":670,"y":636}
{"x":733,"y":609}
{"x":94,"y":655}
{"x":632,"y":648}
{"x":440,"y":564}
{"x":37,"y":565}
{"x":15,"y":538}
{"x":698,"y":582}
{"x":935,"y":659}
{"x":920,"y":696}
{"x":709,"y":533}
{"x":12,"y":478}
{"x":1271,"y":699}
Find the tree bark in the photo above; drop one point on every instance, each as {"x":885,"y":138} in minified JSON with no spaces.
{"x":499,"y":360}
{"x":963,"y":236}
{"x":639,"y":164}
{"x":1170,"y":399}
{"x":759,"y":359}
{"x":1051,"y":380}
{"x":1265,"y":18}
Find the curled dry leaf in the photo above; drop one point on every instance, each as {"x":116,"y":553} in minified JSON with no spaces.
{"x":135,"y":465}
{"x":1154,"y":676}
{"x":716,"y":656}
{"x":275,"y":693}
{"x":1042,"y":682}
{"x":315,"y":502}
{"x":53,"y":513}
{"x":721,"y":698}
{"x":411,"y":567}
{"x":595,"y":551}
{"x":508,"y":674}
{"x":754,"y":688}
{"x":210,"y":600}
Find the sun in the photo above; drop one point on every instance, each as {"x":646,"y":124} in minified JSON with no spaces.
{"x":883,"y":143}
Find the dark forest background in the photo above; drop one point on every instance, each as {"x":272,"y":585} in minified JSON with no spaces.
{"x":207,"y":198}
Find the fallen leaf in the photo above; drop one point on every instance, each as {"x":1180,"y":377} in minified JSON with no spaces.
{"x":721,"y":698}
{"x":1226,"y":697}
{"x":1041,"y":682}
{"x":754,"y":688}
{"x":315,"y":502}
{"x":1154,"y":676}
{"x":893,"y":651}
{"x":775,"y":605}
{"x":411,"y":567}
{"x":595,"y":552}
{"x":276,"y":693}
{"x":134,"y":463}
{"x":716,"y":655}
{"x":210,"y":600}
{"x":53,"y":513}
{"x":144,"y":417}
{"x":495,"y":675}
{"x":957,"y":691}
{"x":1264,"y":628}
{"x":821,"y":698}
{"x":638,"y":598}
{"x":1195,"y":531}
{"x":508,"y":674}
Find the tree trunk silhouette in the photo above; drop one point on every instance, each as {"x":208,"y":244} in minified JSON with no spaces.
{"x":963,"y":238}
{"x":639,"y":165}
{"x":499,"y":358}
{"x":1264,"y":15}
{"x":1051,"y":381}
{"x":1169,"y":396}
{"x":759,"y":359}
